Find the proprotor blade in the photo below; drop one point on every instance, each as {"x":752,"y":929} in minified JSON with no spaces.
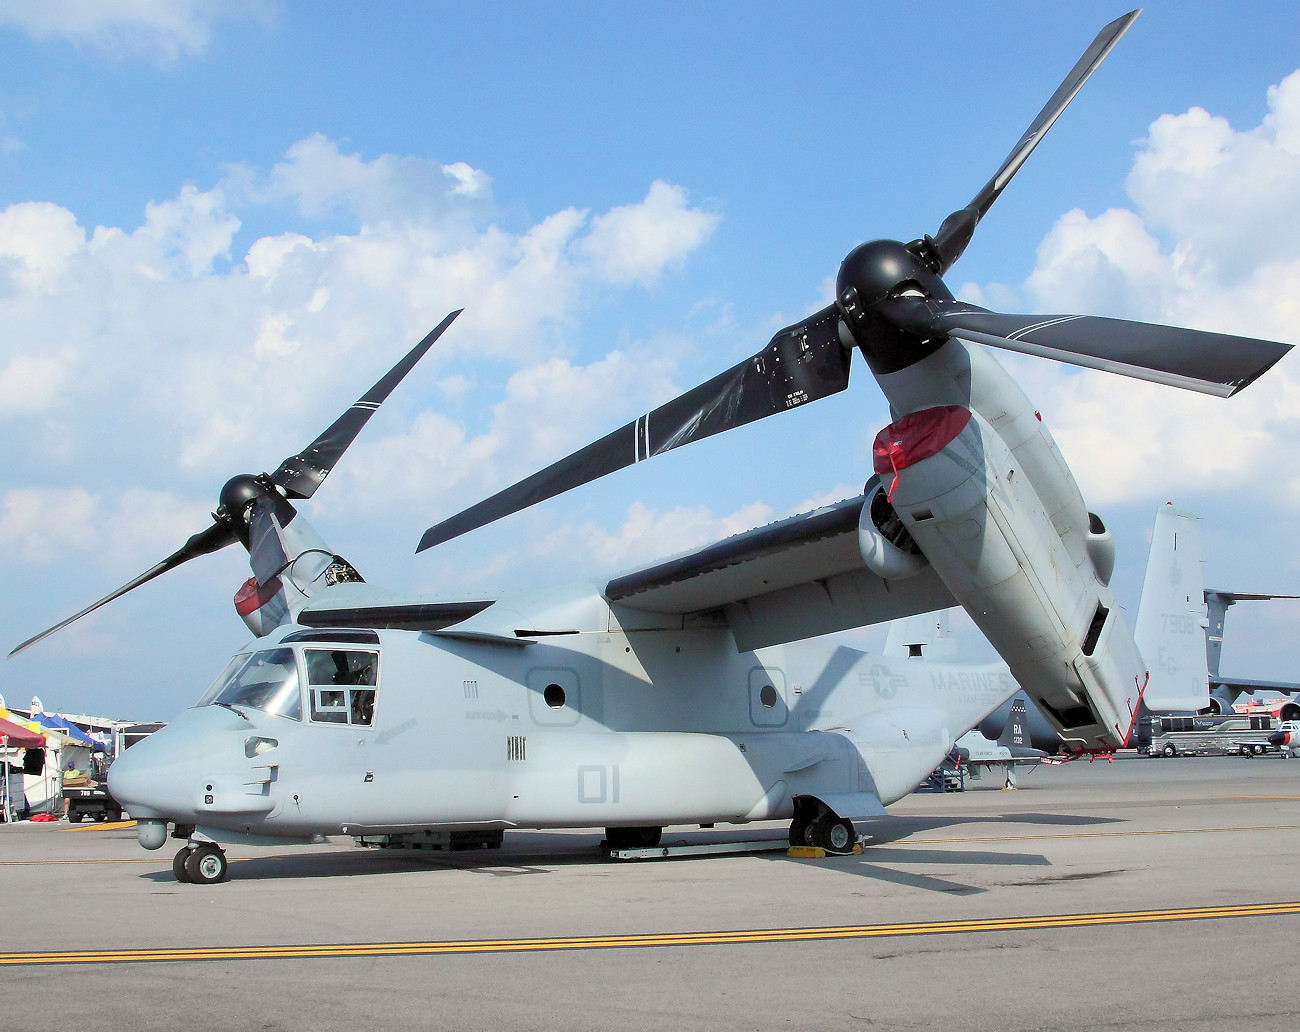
{"x":802,"y":363}
{"x":957,"y":228}
{"x":300,"y":475}
{"x":215,"y":537}
{"x":1196,"y":360}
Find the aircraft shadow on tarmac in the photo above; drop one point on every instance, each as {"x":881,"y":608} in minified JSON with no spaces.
{"x":533,"y":853}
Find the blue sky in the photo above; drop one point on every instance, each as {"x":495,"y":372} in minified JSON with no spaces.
{"x":221,"y":221}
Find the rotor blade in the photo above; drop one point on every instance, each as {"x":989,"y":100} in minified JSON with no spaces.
{"x":215,"y":537}
{"x":802,"y":363}
{"x":1196,"y":360}
{"x":957,"y":228}
{"x":300,"y":475}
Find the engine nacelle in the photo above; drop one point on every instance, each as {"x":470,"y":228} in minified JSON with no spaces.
{"x":887,"y":547}
{"x":974,"y":511}
{"x":1101,"y":548}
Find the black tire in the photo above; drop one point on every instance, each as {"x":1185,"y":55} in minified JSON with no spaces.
{"x":115,"y":816}
{"x":1258,"y":750}
{"x":206,"y":864}
{"x":798,"y":832}
{"x":1243,"y":750}
{"x":178,"y":864}
{"x":75,"y":816}
{"x":1169,"y":750}
{"x":834,"y":834}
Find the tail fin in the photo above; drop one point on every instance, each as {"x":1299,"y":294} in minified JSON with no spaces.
{"x":1171,"y":619}
{"x":1016,"y":733}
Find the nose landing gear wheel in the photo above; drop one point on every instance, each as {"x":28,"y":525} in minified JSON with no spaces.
{"x":178,"y":864}
{"x":206,"y":865}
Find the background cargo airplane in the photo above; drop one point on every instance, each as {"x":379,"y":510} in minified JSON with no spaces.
{"x":685,"y":692}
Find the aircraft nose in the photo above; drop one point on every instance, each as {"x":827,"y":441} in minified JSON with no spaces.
{"x":156,"y":777}
{"x":139,"y":779}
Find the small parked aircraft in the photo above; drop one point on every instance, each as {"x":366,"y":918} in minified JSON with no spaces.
{"x":688,"y":692}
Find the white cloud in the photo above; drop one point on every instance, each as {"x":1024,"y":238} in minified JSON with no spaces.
{"x":548,"y":410}
{"x":1212,"y":242}
{"x":37,"y":240}
{"x":635,"y":243}
{"x":29,"y":383}
{"x":191,"y":231}
{"x":39,"y":526}
{"x":647,"y":534}
{"x":156,"y":29}
{"x":390,"y":190}
{"x":157,"y":355}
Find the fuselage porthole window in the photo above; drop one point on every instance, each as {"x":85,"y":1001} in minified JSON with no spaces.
{"x":343,"y":683}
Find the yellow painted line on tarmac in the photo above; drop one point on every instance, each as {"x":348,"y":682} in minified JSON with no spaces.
{"x":1090,"y":834}
{"x":106,"y":826}
{"x":601,"y":942}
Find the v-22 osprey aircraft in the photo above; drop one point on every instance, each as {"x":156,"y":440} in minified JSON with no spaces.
{"x":687,"y":692}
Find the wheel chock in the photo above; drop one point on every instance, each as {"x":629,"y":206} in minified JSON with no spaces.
{"x":817,"y":853}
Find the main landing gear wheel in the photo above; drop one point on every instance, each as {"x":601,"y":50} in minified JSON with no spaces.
{"x":206,"y":865}
{"x":800,"y":833}
{"x":178,"y":863}
{"x":833,"y":834}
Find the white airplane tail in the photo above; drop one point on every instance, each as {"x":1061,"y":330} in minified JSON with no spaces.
{"x":1171,"y":621}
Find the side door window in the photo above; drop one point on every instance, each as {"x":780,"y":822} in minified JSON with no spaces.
{"x":342,"y":684}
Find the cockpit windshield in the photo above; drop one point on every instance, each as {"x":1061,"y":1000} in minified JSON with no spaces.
{"x":266,"y":681}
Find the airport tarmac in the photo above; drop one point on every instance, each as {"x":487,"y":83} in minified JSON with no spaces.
{"x":1133,"y":895}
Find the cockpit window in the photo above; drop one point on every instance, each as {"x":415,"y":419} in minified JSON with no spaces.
{"x":266,"y":681}
{"x":342,"y":685}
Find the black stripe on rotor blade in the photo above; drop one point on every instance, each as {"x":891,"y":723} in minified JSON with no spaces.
{"x":300,"y":475}
{"x":802,"y":363}
{"x":1212,"y":363}
{"x":205,"y":541}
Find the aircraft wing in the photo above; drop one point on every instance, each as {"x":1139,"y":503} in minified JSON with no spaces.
{"x":794,"y":579}
{"x":1248,"y":687}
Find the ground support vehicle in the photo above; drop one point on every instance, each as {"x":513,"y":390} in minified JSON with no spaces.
{"x":91,"y":800}
{"x":1208,"y":735}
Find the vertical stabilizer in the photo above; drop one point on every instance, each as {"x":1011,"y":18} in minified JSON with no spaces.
{"x":1171,"y":618}
{"x":1016,"y":733}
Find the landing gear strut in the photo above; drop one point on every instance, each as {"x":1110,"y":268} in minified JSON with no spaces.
{"x":204,"y":864}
